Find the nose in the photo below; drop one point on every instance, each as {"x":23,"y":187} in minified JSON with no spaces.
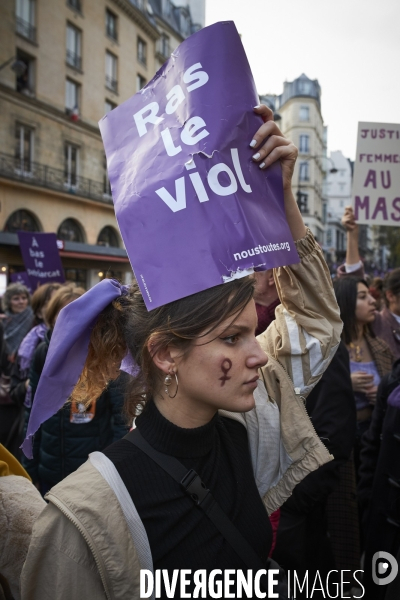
{"x":257,"y":358}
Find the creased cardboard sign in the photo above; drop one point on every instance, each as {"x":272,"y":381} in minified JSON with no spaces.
{"x":376,"y":185}
{"x":194,"y":210}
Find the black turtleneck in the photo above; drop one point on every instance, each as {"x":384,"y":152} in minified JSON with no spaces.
{"x":181,"y":536}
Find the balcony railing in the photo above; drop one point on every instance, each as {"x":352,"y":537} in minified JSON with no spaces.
{"x":74,"y":60}
{"x":25,"y":29}
{"x":48,"y":177}
{"x":111,"y":84}
{"x":76,"y":4}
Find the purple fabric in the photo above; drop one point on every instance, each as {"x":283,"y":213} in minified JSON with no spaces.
{"x":129,"y":366}
{"x":28,"y":345}
{"x":67,"y":353}
{"x":394,"y":398}
{"x":41,"y":257}
{"x":192,"y":206}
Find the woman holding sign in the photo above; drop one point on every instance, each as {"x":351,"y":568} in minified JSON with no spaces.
{"x":221,"y":434}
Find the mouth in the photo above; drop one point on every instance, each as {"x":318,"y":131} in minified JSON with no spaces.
{"x":252,"y":381}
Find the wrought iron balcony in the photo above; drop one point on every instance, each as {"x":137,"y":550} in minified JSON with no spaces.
{"x":74,"y":60}
{"x":36,"y":174}
{"x":111,"y":84}
{"x":25,"y":29}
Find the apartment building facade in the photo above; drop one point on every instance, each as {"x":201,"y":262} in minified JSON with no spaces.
{"x":298,"y":111}
{"x":63,"y":65}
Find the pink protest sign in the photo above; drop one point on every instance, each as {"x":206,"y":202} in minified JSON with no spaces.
{"x":376,"y":184}
{"x":193,"y":208}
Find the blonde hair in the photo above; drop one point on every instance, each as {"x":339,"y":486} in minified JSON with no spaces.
{"x":63,"y":296}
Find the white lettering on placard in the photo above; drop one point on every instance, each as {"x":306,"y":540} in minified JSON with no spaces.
{"x":192,"y":126}
{"x":169,"y":143}
{"x":177,"y":203}
{"x":141,"y":120}
{"x":214,"y":183}
{"x":175,"y":97}
{"x":238,"y":169}
{"x":192,"y":74}
{"x":199,"y":187}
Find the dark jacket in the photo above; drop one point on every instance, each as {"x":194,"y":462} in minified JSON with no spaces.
{"x":379,"y":485}
{"x":60,"y":447}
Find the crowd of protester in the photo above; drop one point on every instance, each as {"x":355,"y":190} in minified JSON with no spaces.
{"x":336,"y":517}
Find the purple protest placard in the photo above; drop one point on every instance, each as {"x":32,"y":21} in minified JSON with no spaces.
{"x":41,"y":258}
{"x":194,"y":210}
{"x":22,"y":277}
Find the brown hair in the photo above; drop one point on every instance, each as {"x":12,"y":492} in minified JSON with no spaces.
{"x":41,"y":296}
{"x":63,"y":296}
{"x":392,"y":283}
{"x":127,"y":325}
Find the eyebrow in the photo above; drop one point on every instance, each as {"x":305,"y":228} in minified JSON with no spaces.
{"x":235,"y":327}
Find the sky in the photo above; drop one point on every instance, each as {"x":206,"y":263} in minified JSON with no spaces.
{"x":351,"y":46}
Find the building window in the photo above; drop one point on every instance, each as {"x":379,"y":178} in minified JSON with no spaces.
{"x":108,"y":237}
{"x":108,"y":105}
{"x":141,"y":51}
{"x":23,"y":148}
{"x":21,"y":220}
{"x":304,"y":174}
{"x":75,"y":4}
{"x":304,"y":113}
{"x":111,"y":25}
{"x":25,"y":77}
{"x":70,"y":231}
{"x":305,"y":87}
{"x":140,"y":82}
{"x":164,"y":46}
{"x":106,"y":181}
{"x":72,"y":94}
{"x":25,"y":19}
{"x":302,"y":201}
{"x":71,"y":155}
{"x":74,"y":39}
{"x":111,"y":72}
{"x":304,"y":145}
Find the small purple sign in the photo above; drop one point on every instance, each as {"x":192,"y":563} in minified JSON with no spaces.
{"x":22,"y":277}
{"x":41,"y":258}
{"x":194,"y":210}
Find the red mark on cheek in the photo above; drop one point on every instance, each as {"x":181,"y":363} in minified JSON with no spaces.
{"x":225,"y":368}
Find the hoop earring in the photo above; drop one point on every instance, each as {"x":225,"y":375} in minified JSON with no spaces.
{"x":168,"y":381}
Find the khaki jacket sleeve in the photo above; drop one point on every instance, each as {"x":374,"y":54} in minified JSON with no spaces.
{"x":59,"y":565}
{"x":306,"y":333}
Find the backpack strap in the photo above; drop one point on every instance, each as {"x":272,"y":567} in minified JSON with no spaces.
{"x":194,"y":487}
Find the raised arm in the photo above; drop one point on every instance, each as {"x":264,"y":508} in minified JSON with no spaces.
{"x":277,"y":147}
{"x":353,"y":266}
{"x":307,"y":329}
{"x":351,"y":226}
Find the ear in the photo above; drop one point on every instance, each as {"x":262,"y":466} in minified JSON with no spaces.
{"x":162,"y":357}
{"x":389,"y":295}
{"x":271,"y":280}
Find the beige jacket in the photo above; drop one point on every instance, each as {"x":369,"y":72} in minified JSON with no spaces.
{"x":89,"y":542}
